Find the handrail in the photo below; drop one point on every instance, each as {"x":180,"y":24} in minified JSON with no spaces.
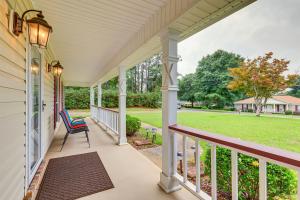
{"x":105,"y":108}
{"x":264,"y":154}
{"x":272,"y":153}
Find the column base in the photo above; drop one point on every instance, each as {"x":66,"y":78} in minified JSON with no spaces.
{"x":122,"y":141}
{"x":168,"y":184}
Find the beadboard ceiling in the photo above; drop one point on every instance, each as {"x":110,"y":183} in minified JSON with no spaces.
{"x":90,"y":35}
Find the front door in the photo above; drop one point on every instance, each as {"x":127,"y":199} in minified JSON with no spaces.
{"x":34,"y":112}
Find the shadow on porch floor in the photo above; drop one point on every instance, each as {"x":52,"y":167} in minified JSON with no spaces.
{"x":133,"y":175}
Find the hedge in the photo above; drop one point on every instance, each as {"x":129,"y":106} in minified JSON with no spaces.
{"x":79,"y":98}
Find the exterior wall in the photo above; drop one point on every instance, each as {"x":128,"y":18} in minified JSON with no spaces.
{"x":13,"y":105}
{"x":238,"y":106}
{"x":49,"y":109}
{"x":269,"y":108}
{"x":13,"y":110}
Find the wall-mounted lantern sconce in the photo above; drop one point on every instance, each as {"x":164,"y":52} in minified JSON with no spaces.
{"x":38,"y":28}
{"x":55,"y":68}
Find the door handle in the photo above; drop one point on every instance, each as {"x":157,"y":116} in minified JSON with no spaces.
{"x":43,"y":105}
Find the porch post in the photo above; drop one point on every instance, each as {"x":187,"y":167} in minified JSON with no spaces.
{"x":122,"y":106}
{"x":169,"y":111}
{"x":92,"y":97}
{"x":99,"y":94}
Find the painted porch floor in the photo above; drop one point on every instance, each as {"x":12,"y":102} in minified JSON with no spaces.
{"x":134,"y":176}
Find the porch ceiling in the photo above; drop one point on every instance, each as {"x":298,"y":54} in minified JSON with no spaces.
{"x":92,"y":37}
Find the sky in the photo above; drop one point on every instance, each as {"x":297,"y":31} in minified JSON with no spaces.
{"x":264,"y":26}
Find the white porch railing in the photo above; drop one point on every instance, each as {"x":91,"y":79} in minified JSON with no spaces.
{"x":263,"y":153}
{"x":107,"y":117}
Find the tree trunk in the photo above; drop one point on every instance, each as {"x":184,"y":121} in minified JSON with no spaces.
{"x":142,"y":77}
{"x":192,"y":104}
{"x":258,"y":103}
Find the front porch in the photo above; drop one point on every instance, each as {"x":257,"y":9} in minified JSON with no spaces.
{"x":135,"y":177}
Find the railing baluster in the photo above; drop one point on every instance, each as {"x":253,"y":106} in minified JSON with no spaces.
{"x":213,"y":172}
{"x":109,"y":118}
{"x":298,"y":192}
{"x":197,"y":150}
{"x":184,"y":159}
{"x":234,"y":174}
{"x":262,"y":179}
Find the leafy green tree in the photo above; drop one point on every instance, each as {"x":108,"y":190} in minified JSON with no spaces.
{"x":295,"y":89}
{"x":212,"y":78}
{"x":186,"y":88}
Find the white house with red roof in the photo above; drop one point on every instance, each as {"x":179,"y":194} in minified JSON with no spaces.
{"x":276,"y":104}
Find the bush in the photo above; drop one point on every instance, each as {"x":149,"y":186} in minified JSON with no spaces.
{"x":77,"y":98}
{"x":250,"y":110}
{"x":110,"y":98}
{"x":296,"y":113}
{"x":133,"y":124}
{"x":281,"y":181}
{"x":288,"y":112}
{"x":229,"y":109}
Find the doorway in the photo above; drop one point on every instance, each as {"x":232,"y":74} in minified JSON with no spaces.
{"x":34,"y":97}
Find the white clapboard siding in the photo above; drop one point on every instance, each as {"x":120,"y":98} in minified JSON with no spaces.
{"x":13,"y":105}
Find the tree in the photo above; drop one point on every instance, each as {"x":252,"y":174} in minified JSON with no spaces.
{"x":187,"y":89}
{"x":212,"y":78}
{"x":261,"y":78}
{"x":295,"y":89}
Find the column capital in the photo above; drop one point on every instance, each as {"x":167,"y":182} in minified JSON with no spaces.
{"x":169,"y":34}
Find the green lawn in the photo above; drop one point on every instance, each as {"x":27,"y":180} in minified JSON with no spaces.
{"x":272,"y":131}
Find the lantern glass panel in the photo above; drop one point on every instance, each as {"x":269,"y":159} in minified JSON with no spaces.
{"x":33,"y":32}
{"x":43,"y":35}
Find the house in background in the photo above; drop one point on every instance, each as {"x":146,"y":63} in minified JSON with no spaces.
{"x":276,"y":104}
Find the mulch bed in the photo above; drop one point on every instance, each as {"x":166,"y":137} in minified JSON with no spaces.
{"x":72,"y":177}
{"x":131,"y":140}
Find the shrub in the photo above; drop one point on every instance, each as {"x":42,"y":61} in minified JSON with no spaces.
{"x":296,"y":113}
{"x":250,"y":110}
{"x":281,"y":181}
{"x":77,"y":98}
{"x":110,"y":98}
{"x":133,"y":124}
{"x":288,"y":112}
{"x":229,"y":109}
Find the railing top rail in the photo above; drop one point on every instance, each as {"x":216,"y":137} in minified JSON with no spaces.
{"x":106,"y":109}
{"x":272,"y":153}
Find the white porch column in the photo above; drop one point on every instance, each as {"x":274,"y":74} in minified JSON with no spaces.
{"x":274,"y":107}
{"x":169,"y":111}
{"x":99,"y":94}
{"x":122,"y":106}
{"x":92,"y":100}
{"x":92,"y":96}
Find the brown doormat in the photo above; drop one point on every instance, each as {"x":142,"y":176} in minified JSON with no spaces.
{"x":73,"y":177}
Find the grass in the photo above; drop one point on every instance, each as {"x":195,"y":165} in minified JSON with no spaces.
{"x":283,"y":133}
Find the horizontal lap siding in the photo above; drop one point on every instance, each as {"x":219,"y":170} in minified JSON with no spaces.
{"x":13,"y":105}
{"x":13,"y":108}
{"x":49,"y":100}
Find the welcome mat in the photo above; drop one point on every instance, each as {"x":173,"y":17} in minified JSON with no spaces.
{"x":72,"y":177}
